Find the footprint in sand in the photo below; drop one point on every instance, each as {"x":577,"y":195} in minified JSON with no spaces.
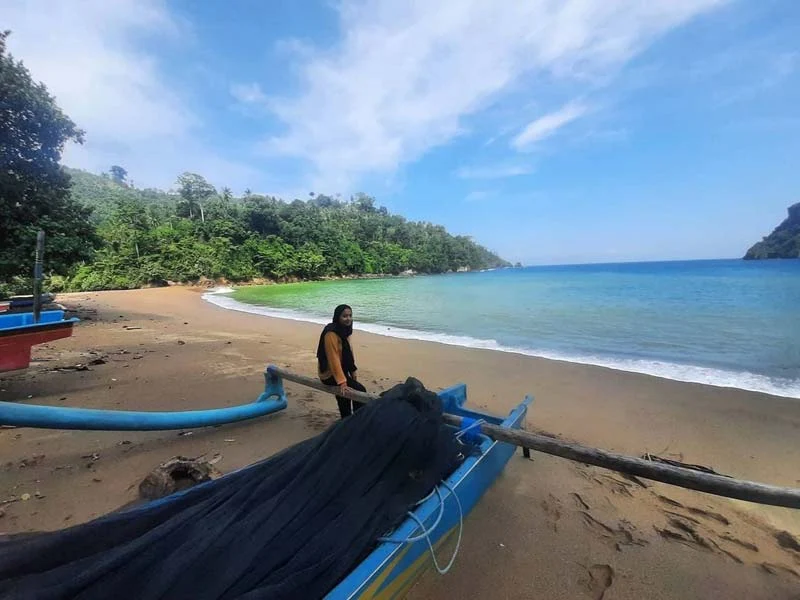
{"x":621,"y":535}
{"x":597,"y":580}
{"x":683,"y":530}
{"x":621,"y":486}
{"x":579,"y":501}
{"x":787,"y":541}
{"x":307,"y":397}
{"x":708,"y":514}
{"x":779,"y":569}
{"x":318,"y":420}
{"x":552,"y":507}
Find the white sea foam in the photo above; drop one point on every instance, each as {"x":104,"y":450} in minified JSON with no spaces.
{"x":742,"y":380}
{"x":220,"y":290}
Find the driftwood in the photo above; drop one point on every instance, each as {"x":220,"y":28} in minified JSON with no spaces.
{"x":680,"y":476}
{"x":176,"y":474}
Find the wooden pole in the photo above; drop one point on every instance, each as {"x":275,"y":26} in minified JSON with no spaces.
{"x":718,"y":485}
{"x":37,"y":277}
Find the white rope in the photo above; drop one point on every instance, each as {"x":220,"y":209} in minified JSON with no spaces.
{"x":443,"y":571}
{"x":472,"y":425}
{"x":426,"y":533}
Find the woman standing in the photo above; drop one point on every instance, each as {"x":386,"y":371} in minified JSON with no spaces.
{"x":335,"y":359}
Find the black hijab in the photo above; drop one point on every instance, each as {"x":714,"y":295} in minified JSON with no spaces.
{"x":348,"y":361}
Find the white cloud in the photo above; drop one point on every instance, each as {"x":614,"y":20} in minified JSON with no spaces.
{"x":496,"y":171}
{"x":87,"y":52}
{"x":82,"y":52}
{"x":548,"y":124}
{"x":405,"y":75}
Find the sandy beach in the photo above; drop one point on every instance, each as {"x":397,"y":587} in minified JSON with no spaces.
{"x":548,"y":528}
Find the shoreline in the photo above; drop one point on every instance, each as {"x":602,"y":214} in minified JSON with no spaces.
{"x":546,"y":529}
{"x":684,"y":373}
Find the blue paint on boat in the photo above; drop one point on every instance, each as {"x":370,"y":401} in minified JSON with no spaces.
{"x":273,"y":399}
{"x":23,"y":322}
{"x":19,"y":333}
{"x":392,"y":569}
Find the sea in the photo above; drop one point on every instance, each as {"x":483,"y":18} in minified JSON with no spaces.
{"x":728,"y":323}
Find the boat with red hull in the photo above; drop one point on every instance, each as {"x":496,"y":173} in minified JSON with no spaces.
{"x":19,"y":333}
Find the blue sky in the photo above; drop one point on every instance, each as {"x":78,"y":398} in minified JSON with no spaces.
{"x":551,"y":131}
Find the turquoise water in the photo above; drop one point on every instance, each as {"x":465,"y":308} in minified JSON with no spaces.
{"x":728,"y":322}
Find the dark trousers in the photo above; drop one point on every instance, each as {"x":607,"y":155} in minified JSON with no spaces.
{"x":347,"y":406}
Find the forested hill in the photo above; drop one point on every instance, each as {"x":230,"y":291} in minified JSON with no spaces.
{"x":103,"y":193}
{"x":783,"y":242}
{"x":105,"y":233}
{"x":151,"y":236}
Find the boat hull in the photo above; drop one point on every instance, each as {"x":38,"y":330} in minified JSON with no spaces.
{"x":392,"y":569}
{"x":18,"y":335}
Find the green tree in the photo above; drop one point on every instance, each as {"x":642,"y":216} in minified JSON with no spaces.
{"x":34,"y":188}
{"x":118,"y":174}
{"x":194,"y":190}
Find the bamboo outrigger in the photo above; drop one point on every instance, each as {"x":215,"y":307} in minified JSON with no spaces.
{"x":396,"y":563}
{"x":692,"y":479}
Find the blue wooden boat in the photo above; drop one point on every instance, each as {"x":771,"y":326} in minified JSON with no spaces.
{"x":398,"y":561}
{"x":24,"y":303}
{"x":394,"y":567}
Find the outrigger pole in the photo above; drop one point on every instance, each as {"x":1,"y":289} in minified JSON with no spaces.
{"x":710,"y":483}
{"x":37,"y":277}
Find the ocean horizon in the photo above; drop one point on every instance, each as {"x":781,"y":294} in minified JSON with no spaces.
{"x":721,"y":322}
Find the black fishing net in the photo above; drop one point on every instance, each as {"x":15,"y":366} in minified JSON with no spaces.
{"x":291,"y":526}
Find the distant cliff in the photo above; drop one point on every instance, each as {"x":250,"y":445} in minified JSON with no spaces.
{"x":784,"y":242}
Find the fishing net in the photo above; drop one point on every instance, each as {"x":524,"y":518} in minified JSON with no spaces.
{"x":291,"y":526}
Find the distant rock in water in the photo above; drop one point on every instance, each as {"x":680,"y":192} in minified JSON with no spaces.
{"x":784,"y":242}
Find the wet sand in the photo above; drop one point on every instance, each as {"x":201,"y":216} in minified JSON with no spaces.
{"x":548,"y":528}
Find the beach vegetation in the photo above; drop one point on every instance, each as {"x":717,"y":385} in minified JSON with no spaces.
{"x":104,"y":232}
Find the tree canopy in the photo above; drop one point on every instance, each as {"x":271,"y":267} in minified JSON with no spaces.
{"x":194,"y":190}
{"x":118,"y":174}
{"x":152,"y":236}
{"x":34,"y":188}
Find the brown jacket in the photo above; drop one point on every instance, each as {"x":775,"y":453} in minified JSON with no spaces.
{"x":333,"y":352}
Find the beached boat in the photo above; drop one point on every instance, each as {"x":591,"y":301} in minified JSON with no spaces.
{"x":394,"y":566}
{"x":398,"y":561}
{"x":19,"y":333}
{"x":17,"y":304}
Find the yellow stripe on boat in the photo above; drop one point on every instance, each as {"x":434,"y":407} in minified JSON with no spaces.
{"x":404,"y":580}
